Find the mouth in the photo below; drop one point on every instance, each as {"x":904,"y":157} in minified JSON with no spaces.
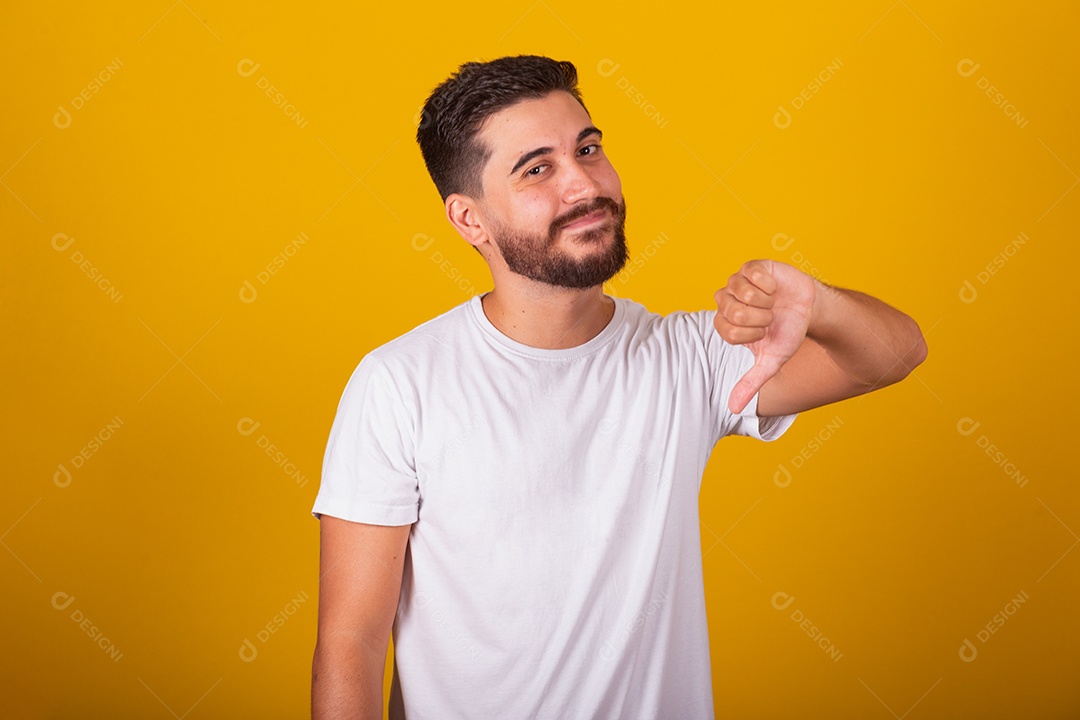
{"x":590,"y":219}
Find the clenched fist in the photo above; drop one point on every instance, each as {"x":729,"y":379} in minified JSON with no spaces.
{"x":766,"y":306}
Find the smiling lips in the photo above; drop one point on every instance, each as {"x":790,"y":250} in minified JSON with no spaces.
{"x":589,"y":219}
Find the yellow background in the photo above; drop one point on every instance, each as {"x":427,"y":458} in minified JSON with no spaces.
{"x":179,"y":180}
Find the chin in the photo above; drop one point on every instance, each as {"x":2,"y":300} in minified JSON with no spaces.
{"x":593,"y":236}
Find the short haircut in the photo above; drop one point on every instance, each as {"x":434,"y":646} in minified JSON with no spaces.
{"x":456,"y":110}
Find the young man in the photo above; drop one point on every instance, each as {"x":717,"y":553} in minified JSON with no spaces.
{"x":512,"y":486}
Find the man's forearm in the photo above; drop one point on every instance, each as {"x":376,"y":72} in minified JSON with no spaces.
{"x":346,"y":684}
{"x":875,"y":344}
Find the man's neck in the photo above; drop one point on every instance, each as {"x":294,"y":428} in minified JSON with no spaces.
{"x":549,"y":318}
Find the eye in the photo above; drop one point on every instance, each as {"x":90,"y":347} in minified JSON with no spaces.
{"x":592,"y":149}
{"x":535,"y":170}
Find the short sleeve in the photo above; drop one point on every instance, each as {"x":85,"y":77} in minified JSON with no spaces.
{"x":727,"y":364}
{"x":369,"y":473}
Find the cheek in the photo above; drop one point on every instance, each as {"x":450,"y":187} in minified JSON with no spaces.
{"x":536,"y":208}
{"x":612,"y":183}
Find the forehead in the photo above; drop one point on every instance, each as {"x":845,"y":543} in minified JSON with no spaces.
{"x":552,"y":120}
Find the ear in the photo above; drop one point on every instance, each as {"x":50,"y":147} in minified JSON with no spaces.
{"x":464,"y":214}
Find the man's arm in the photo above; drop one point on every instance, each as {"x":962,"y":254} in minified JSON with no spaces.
{"x":359,"y":584}
{"x":813,"y":344}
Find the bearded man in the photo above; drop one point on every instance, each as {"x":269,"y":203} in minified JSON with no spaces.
{"x":511,"y":488}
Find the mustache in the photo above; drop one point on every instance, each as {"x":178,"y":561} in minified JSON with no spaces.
{"x":580,"y":211}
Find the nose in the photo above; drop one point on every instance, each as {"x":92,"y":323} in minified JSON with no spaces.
{"x":579,"y":184}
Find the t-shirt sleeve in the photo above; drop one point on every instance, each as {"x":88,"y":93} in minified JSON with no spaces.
{"x":368,"y":472}
{"x":727,"y":364}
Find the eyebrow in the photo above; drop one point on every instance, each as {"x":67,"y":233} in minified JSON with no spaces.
{"x":591,"y":130}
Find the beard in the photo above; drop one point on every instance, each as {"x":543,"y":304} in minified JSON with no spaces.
{"x":534,"y":256}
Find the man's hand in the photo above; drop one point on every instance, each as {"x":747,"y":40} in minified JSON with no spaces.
{"x":813,"y":343}
{"x":766,"y":306}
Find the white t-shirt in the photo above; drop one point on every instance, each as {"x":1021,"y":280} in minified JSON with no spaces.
{"x":554,"y":564}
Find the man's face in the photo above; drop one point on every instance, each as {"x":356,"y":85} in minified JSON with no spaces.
{"x":552,"y":200}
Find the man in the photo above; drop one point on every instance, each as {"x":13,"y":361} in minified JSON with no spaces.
{"x":512,"y":486}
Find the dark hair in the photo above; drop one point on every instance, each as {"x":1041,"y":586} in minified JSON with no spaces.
{"x":456,"y":109}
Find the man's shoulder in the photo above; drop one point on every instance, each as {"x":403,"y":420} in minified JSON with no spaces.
{"x":430,"y":336}
{"x":640,"y":317}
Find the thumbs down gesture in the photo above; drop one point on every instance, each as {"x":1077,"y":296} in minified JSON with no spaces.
{"x":766,"y":306}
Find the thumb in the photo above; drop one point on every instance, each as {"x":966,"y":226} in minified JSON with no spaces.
{"x":751,"y":383}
